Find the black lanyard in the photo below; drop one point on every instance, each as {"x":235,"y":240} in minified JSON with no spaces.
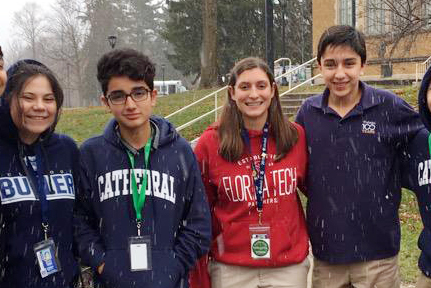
{"x":258,"y":176}
{"x":40,"y":185}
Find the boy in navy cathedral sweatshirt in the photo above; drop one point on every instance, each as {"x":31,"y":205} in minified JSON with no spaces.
{"x":417,"y":177}
{"x":355,"y":134}
{"x":142,"y":218}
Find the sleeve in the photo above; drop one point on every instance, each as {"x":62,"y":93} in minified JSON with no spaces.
{"x":89,"y":243}
{"x":407,"y":123}
{"x":194,"y":236}
{"x":199,"y":276}
{"x":302,"y":143}
{"x":300,"y":115}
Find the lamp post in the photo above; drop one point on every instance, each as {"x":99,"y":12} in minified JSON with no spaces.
{"x":283,"y":6}
{"x":112,"y":41}
{"x":269,"y":39}
{"x":163,"y":79}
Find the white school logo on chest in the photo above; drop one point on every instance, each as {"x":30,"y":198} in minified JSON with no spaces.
{"x":368,"y":127}
{"x":17,"y":189}
{"x":117,"y":183}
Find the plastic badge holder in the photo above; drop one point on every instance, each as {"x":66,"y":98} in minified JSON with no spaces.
{"x":140,"y":253}
{"x":47,"y":257}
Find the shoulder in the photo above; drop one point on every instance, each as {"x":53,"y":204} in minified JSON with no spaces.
{"x":315,"y":100}
{"x":208,"y":138}
{"x":92,"y":143}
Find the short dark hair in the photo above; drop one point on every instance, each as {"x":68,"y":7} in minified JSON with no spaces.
{"x":125,"y":62}
{"x":21,"y":72}
{"x":342,"y":35}
{"x":1,"y":53}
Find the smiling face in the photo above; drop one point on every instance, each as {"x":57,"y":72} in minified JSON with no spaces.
{"x":132,"y":115}
{"x":34,"y":110}
{"x":341,"y":68}
{"x":252,"y":94}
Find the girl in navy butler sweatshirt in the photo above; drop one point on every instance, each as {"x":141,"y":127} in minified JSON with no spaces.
{"x":37,"y":184}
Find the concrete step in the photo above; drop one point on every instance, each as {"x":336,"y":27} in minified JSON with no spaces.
{"x":291,"y":102}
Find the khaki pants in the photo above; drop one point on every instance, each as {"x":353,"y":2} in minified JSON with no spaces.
{"x":423,"y":281}
{"x":231,"y":276}
{"x":382,"y":273}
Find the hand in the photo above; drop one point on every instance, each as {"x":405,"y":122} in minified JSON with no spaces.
{"x":100,"y":268}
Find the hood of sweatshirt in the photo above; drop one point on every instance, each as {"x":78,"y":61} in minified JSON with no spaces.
{"x":8,"y":129}
{"x":164,"y":132}
{"x":422,"y":99}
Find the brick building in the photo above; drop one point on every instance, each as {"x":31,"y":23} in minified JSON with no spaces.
{"x":379,"y":21}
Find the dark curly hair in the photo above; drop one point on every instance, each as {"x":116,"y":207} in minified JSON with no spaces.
{"x":125,"y":62}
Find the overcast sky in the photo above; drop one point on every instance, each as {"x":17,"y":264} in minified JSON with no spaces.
{"x":7,"y":9}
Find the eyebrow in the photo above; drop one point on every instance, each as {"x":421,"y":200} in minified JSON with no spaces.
{"x":133,"y":88}
{"x":48,"y":94}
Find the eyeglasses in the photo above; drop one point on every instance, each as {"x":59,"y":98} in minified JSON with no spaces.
{"x":120,"y":97}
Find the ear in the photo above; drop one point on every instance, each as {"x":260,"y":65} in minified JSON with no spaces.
{"x":231,"y":92}
{"x":104,"y":101}
{"x":274,"y":86}
{"x":153,"y":98}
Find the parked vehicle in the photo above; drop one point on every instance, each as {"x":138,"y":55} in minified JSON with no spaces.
{"x":169,"y":87}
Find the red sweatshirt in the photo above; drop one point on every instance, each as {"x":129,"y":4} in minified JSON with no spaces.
{"x":232,"y":198}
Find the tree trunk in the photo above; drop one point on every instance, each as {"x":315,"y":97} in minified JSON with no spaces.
{"x":209,"y":44}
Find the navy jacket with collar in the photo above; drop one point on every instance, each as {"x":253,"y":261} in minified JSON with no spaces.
{"x":417,"y":175}
{"x":353,"y":183}
{"x":176,"y":215}
{"x":20,"y":210}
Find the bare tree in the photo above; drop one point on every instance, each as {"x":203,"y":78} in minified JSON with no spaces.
{"x":396,"y":24}
{"x":209,"y":44}
{"x":66,"y":38}
{"x":30,"y":25}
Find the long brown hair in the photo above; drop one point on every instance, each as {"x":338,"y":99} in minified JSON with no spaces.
{"x":231,"y":121}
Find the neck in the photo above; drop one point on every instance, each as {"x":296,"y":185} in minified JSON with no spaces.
{"x":343,"y":105}
{"x":136,"y":137}
{"x":28,"y":138}
{"x":255,"y":124}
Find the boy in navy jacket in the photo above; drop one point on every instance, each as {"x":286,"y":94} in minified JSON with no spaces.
{"x":417,"y":177}
{"x":354,"y":135}
{"x":143,"y":218}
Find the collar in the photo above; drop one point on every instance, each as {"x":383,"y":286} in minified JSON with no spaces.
{"x":154,"y":135}
{"x":369,"y":98}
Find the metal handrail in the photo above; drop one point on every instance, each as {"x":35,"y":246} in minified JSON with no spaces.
{"x":196,"y":102}
{"x":298,"y":67}
{"x":421,"y":68}
{"x":197,"y":119}
{"x":301,"y":84}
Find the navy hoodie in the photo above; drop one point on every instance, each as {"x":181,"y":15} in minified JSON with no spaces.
{"x":20,"y":210}
{"x":417,"y":175}
{"x":175,"y":215}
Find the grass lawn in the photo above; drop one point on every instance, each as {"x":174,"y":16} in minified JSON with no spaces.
{"x":86,"y":122}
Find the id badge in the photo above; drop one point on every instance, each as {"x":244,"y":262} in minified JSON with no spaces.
{"x":260,"y":242}
{"x":140,"y":253}
{"x":47,"y":258}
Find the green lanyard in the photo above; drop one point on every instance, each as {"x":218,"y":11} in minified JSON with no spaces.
{"x":139,"y":198}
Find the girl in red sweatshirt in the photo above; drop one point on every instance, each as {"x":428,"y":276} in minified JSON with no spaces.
{"x":252,"y":162}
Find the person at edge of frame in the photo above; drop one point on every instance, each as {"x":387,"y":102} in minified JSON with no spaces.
{"x":38,"y":180}
{"x":142,"y":218}
{"x":355,"y":134}
{"x":252,"y":162}
{"x":417,"y":176}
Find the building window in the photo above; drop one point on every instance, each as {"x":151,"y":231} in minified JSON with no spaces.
{"x":346,"y":12}
{"x":375,"y":17}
